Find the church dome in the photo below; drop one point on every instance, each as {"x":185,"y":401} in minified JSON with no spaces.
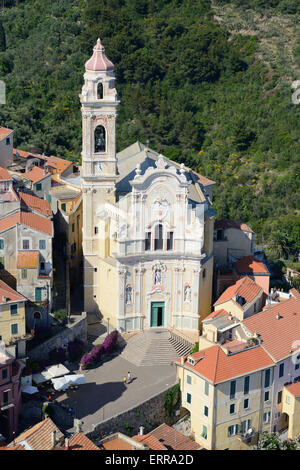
{"x":99,"y":62}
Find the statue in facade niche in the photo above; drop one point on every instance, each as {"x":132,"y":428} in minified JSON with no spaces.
{"x":187,"y":294}
{"x":157,"y":277}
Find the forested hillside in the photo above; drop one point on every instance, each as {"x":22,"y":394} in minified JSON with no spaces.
{"x":199,"y":93}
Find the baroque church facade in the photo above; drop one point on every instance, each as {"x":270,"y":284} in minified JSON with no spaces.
{"x":147,"y":222}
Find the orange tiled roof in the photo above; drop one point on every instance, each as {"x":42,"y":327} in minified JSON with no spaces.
{"x":28,"y":259}
{"x":173,"y":439}
{"x":217,"y":313}
{"x":4,"y":175}
{"x":16,"y":447}
{"x":80,"y":442}
{"x":58,"y":163}
{"x":203,"y":180}
{"x":25,"y":154}
{"x":249,"y":265}
{"x":39,"y":437}
{"x":277,"y":335}
{"x":228,"y":223}
{"x":295,"y":293}
{"x":29,"y":219}
{"x":150,"y":441}
{"x":10,"y":294}
{"x":218,"y":367}
{"x":36,"y":174}
{"x":36,"y":203}
{"x":4,"y":131}
{"x":294,"y":389}
{"x":117,"y":444}
{"x":244,"y":287}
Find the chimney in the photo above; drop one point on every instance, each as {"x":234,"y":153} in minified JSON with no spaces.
{"x":77,"y":425}
{"x":182,"y":360}
{"x":66,"y":443}
{"x":45,"y":170}
{"x":4,"y":299}
{"x":53,"y":438}
{"x":141,"y":430}
{"x":278,"y":316}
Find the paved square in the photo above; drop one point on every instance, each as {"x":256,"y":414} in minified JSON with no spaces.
{"x":105,"y":394}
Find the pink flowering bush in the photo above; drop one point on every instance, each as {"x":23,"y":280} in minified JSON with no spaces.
{"x":97,"y":352}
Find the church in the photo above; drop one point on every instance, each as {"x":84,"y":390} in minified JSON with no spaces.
{"x":148,"y":222}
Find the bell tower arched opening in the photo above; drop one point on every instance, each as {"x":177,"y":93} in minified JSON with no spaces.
{"x":100,"y":139}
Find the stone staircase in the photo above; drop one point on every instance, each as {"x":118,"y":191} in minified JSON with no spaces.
{"x":155,"y":347}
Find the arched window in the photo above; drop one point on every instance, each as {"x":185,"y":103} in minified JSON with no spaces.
{"x":99,"y":139}
{"x":100,"y":91}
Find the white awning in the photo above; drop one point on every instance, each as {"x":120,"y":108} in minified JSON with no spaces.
{"x":49,"y":373}
{"x":62,"y":383}
{"x":29,"y":389}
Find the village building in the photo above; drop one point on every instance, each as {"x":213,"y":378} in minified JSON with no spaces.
{"x":233,"y":240}
{"x":6,"y":146}
{"x":10,"y":393}
{"x":147,"y":222}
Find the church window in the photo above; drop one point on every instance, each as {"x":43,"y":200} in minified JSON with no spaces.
{"x":148,"y":241}
{"x":100,"y":91}
{"x":99,"y":139}
{"x":170,"y":241}
{"x":204,"y":273}
{"x":158,"y":242}
{"x":96,"y":230}
{"x":128,"y":295}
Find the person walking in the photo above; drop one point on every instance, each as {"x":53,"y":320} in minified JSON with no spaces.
{"x":128,"y":377}
{"x":124,"y":380}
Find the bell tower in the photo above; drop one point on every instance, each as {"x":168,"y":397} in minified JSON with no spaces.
{"x":99,"y":103}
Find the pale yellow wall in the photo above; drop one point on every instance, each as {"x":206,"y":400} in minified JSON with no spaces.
{"x":292,"y":409}
{"x":6,"y":320}
{"x":205,"y":289}
{"x":196,"y":408}
{"x":218,"y":402}
{"x":239,"y":312}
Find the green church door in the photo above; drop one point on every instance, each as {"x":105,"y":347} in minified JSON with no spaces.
{"x":157,"y":314}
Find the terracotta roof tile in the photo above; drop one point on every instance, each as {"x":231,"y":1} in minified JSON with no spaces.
{"x":277,"y":335}
{"x":228,"y":223}
{"x":36,"y":174}
{"x":117,"y":444}
{"x":294,"y":389}
{"x":25,"y":154}
{"x":295,"y":293}
{"x":249,"y":265}
{"x":4,"y":131}
{"x":217,"y":367}
{"x":173,"y":439}
{"x":4,"y":175}
{"x":29,"y":219}
{"x":81,"y":442}
{"x":36,"y":203}
{"x":150,"y":441}
{"x":203,"y":180}
{"x":58,"y":163}
{"x":217,"y":313}
{"x":39,"y":437}
{"x":10,"y":294}
{"x":28,"y":259}
{"x":245,"y":288}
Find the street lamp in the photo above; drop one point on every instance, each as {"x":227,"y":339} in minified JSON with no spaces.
{"x":108,"y":325}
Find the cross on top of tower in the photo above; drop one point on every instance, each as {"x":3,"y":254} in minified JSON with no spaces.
{"x":99,"y":62}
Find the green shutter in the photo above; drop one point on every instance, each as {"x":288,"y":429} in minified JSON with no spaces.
{"x":38,"y":294}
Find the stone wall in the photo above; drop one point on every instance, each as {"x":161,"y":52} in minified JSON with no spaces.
{"x":149,"y":414}
{"x":76,"y":329}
